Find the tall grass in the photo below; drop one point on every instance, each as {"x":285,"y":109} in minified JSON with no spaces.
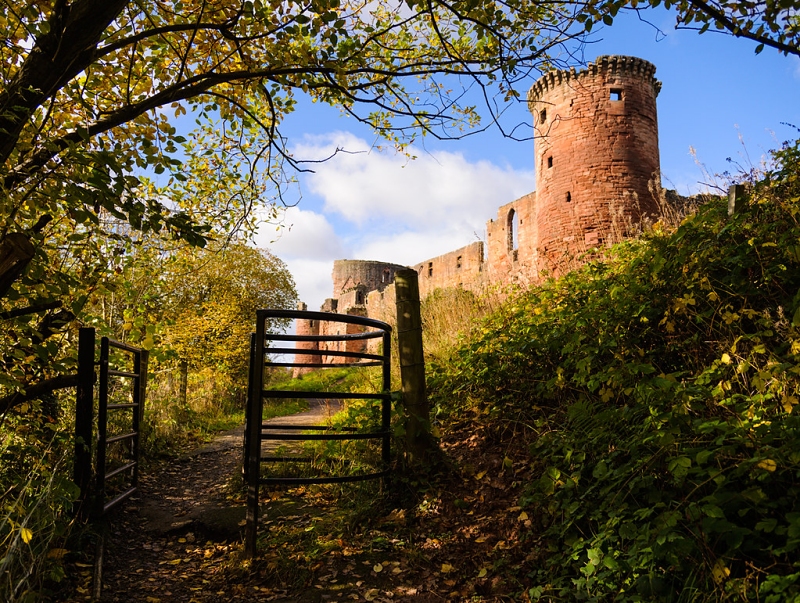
{"x":36,"y":497}
{"x":213,"y":402}
{"x":449,"y":315}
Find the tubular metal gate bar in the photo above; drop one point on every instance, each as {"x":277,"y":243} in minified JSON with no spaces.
{"x":257,"y":431}
{"x":84,"y":419}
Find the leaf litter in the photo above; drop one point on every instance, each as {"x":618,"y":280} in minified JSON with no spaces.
{"x":454,"y":536}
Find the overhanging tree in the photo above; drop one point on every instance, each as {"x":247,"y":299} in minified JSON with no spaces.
{"x":90,"y":89}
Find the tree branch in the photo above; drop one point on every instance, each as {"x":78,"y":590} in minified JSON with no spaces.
{"x":738,"y":32}
{"x":37,"y":390}
{"x":30,"y":310}
{"x":56,"y":57}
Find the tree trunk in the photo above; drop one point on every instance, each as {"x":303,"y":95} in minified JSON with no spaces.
{"x":184,"y":384}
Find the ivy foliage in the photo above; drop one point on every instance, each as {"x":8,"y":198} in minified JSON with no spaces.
{"x":662,"y":386}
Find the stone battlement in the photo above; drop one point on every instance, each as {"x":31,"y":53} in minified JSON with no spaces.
{"x":615,"y":64}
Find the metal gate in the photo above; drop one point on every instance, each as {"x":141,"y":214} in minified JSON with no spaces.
{"x":129,"y":365}
{"x":320,"y":351}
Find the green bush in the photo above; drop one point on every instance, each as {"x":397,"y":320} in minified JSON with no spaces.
{"x":662,"y":385}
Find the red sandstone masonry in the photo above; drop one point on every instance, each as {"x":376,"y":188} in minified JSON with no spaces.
{"x":512,"y":241}
{"x":596,"y":151}
{"x":306,"y":327}
{"x":460,"y":268}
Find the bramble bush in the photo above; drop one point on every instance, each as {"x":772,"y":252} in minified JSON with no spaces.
{"x":661,"y":385}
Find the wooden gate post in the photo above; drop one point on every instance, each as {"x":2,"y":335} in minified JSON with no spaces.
{"x":412,"y":366}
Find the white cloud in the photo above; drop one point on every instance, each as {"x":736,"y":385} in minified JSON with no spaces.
{"x":301,"y":234}
{"x":366,"y":186}
{"x":385,"y":207}
{"x":307,"y":242}
{"x":313,"y":280}
{"x":410,"y":247}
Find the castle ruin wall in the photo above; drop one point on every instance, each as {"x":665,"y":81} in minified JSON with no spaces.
{"x":512,"y":241}
{"x":463,"y":267}
{"x":596,"y":154}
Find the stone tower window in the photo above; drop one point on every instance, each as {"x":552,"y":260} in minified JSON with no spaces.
{"x":386,"y":276}
{"x":359,"y":298}
{"x":458,"y":263}
{"x":543,"y":116}
{"x":311,"y":323}
{"x":550,"y":161}
{"x":512,"y":228}
{"x":430,"y":268}
{"x":616,"y":94}
{"x":569,"y":197}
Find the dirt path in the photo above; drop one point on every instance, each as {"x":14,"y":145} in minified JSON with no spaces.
{"x":180,"y":541}
{"x":175,"y":541}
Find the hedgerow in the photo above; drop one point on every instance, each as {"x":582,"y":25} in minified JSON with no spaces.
{"x":661,"y":385}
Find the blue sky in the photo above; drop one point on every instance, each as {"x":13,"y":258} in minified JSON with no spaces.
{"x":718,"y":101}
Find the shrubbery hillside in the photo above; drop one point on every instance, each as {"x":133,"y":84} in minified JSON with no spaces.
{"x":662,"y":387}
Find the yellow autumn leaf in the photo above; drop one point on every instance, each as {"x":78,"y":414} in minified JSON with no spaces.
{"x":726,"y":359}
{"x":447,"y":568}
{"x":480,"y":539}
{"x":377,"y":568}
{"x":720,"y":571}
{"x":768,"y":465}
{"x":523,"y":516}
{"x":26,"y":534}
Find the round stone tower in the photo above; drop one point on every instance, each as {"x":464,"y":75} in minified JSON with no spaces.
{"x":366,"y":275}
{"x":596,"y":153}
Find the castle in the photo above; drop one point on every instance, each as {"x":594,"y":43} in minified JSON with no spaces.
{"x":596,"y":157}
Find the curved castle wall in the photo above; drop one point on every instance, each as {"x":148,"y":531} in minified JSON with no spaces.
{"x":596,"y":151}
{"x":373,"y":276}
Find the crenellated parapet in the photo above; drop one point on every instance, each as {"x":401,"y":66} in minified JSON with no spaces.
{"x":608,"y":64}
